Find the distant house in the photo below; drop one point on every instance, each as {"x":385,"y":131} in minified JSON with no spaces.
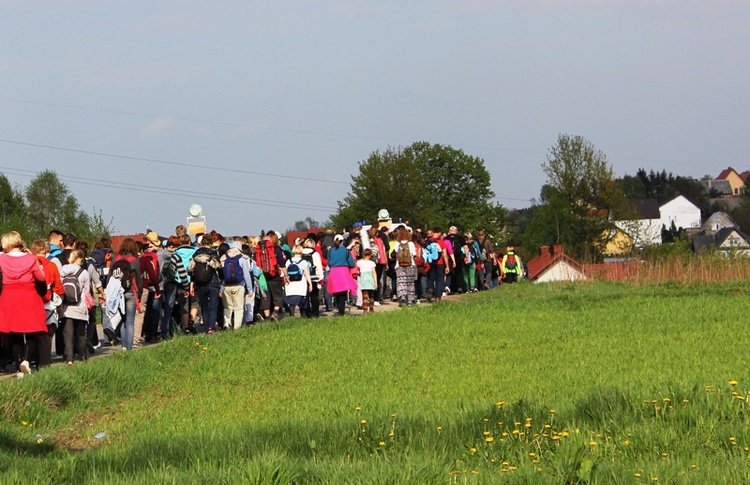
{"x":717,"y":220}
{"x":618,"y":242}
{"x":552,"y":264}
{"x":736,"y":180}
{"x":726,"y":239}
{"x":718,"y":188}
{"x":650,"y":218}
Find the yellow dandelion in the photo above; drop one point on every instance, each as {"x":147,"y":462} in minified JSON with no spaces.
{"x":741,"y":398}
{"x":512,"y":468}
{"x":357,"y":408}
{"x":555,"y":438}
{"x":592,"y":443}
{"x":486,"y":433}
{"x":473,"y":450}
{"x":39,"y":441}
{"x":205,"y":348}
{"x":693,"y":467}
{"x":637,"y":475}
{"x":627,"y":443}
{"x":515,"y":431}
{"x":547,"y":426}
{"x":666,"y":399}
{"x":440,"y":428}
{"x":475,"y":472}
{"x":552,"y":411}
{"x":527,"y":425}
{"x":489,"y":439}
{"x":24,"y":423}
{"x":733,"y":383}
{"x":393,"y":415}
{"x":505,"y":470}
{"x":486,"y":420}
{"x":364,"y":421}
{"x":500,"y":404}
{"x":532,"y":455}
{"x":505,"y":433}
{"x":528,"y":420}
{"x":391,"y":434}
{"x":505,"y":463}
{"x":382,"y":443}
{"x":665,"y":455}
{"x":654,"y":479}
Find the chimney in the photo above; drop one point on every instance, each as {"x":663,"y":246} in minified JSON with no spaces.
{"x":557,"y":249}
{"x":544,"y":251}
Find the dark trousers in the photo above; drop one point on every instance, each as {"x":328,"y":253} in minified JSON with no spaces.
{"x":152,"y":316}
{"x":208,"y":299}
{"x":436,"y":280}
{"x":44,"y":348}
{"x":74,"y":334}
{"x":92,"y":336}
{"x":380,"y":273}
{"x":313,"y":309}
{"x":340,"y":299}
{"x":23,"y":347}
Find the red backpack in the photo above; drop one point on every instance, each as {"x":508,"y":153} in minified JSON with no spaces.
{"x":265,"y":257}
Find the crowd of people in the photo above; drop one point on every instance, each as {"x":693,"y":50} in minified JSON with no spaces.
{"x":58,"y":291}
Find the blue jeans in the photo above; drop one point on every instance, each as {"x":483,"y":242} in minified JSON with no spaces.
{"x":208,"y":299}
{"x":128,"y":325}
{"x":168,"y":298}
{"x":436,"y":280}
{"x":153,"y":314}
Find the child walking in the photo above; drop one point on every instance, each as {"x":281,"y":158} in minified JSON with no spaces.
{"x":368,"y":281}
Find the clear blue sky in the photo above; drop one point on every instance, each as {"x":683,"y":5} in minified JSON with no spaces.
{"x":210,"y":99}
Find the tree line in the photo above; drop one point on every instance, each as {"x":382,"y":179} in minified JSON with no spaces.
{"x":46,"y":203}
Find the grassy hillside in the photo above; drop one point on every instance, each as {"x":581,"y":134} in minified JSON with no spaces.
{"x":531,"y":383}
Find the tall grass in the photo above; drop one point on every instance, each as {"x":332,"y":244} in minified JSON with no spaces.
{"x":566,"y":383}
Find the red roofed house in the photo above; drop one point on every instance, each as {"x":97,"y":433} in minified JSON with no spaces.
{"x":552,"y":264}
{"x":736,"y":180}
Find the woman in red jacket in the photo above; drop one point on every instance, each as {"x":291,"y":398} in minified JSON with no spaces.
{"x":22,"y":314}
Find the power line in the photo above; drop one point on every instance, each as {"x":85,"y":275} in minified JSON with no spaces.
{"x":165,"y":162}
{"x":303,"y":131}
{"x":174,"y":192}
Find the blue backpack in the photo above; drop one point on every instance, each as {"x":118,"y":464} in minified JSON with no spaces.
{"x":232,"y":271}
{"x":432,"y":253}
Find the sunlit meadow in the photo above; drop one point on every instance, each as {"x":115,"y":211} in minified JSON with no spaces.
{"x":576,"y":383}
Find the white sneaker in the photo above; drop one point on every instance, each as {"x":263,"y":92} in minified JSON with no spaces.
{"x":25,"y":368}
{"x":377,"y":303}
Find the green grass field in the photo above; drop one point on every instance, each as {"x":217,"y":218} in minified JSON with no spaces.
{"x":576,"y":383}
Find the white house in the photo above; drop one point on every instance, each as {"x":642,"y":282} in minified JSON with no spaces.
{"x":646,"y":228}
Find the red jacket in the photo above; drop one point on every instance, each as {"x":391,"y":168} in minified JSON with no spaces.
{"x":52,"y":276}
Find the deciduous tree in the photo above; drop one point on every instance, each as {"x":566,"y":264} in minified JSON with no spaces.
{"x":426,"y":184}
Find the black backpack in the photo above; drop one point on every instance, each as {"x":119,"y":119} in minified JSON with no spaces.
{"x":203,"y":268}
{"x":313,"y":269}
{"x":293,"y":271}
